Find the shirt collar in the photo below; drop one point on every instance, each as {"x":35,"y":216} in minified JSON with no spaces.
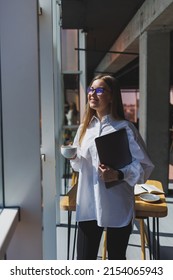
{"x":106,"y":118}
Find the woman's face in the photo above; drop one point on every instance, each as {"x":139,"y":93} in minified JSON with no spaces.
{"x":100,"y":102}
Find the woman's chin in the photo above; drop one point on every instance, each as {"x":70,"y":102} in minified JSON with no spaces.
{"x":93,"y":105}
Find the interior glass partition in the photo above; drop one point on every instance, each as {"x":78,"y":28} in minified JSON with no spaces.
{"x":69,"y":39}
{"x":71,"y":99}
{"x":70,"y":74}
{"x":71,"y":117}
{"x":71,"y":92}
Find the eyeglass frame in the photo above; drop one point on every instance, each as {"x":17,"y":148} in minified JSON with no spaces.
{"x":99,"y":90}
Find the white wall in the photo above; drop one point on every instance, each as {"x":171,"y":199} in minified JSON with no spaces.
{"x":21,"y":123}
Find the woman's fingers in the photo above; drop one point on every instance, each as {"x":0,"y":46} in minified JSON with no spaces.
{"x":107,"y":174}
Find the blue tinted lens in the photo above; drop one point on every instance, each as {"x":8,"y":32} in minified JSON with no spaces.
{"x":89,"y":90}
{"x":99,"y":91}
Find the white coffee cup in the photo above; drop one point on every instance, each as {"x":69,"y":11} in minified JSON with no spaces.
{"x":68,"y":151}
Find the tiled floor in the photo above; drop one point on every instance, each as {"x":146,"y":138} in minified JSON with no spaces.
{"x":134,"y":249}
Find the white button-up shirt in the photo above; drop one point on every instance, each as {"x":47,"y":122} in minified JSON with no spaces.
{"x":113,"y":207}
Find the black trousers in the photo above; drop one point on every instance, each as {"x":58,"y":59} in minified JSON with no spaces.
{"x":89,"y":236}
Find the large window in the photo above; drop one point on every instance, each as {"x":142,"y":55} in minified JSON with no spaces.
{"x":70,"y":74}
{"x":130,"y":98}
{"x":71,"y":92}
{"x":69,"y":54}
{"x":71,"y":95}
{"x":1,"y":158}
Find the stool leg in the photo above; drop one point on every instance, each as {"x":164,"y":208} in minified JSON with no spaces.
{"x":154,"y":240}
{"x":142,"y":233}
{"x":74,"y":242}
{"x":68,"y":234}
{"x":158,"y":242}
{"x":104,"y":245}
{"x":149,"y":239}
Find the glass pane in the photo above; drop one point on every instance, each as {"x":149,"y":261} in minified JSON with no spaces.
{"x":69,"y":54}
{"x":71,"y":106}
{"x":1,"y":160}
{"x":130,"y":100}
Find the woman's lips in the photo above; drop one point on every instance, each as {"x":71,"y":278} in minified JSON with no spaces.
{"x":93,"y":102}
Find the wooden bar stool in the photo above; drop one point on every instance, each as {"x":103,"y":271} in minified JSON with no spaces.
{"x":145,"y":237}
{"x":144,"y":240}
{"x":104,"y":245}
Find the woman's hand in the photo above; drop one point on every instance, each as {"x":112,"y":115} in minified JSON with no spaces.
{"x":73,"y":157}
{"x":108,"y":174}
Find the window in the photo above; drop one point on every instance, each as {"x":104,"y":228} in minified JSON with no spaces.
{"x":130,"y":98}
{"x":69,"y":54}
{"x":1,"y":154}
{"x":70,"y":74}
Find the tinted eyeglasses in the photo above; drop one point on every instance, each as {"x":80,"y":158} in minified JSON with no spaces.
{"x":99,"y":91}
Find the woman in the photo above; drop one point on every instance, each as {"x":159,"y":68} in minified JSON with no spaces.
{"x":98,"y":207}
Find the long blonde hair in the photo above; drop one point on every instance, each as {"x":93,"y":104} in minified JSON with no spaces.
{"x":116,"y":106}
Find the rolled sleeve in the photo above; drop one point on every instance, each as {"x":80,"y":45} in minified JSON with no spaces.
{"x":139,"y":170}
{"x":75,"y":163}
{"x":133,"y":173}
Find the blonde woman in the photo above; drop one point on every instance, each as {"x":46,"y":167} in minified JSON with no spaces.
{"x":98,"y":207}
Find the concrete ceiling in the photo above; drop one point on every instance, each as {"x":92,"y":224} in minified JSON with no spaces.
{"x":103,"y":22}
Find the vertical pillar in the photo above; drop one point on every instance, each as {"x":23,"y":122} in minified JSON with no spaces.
{"x":59,"y":101}
{"x":82,"y":68}
{"x":154,"y":99}
{"x":47,"y":86}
